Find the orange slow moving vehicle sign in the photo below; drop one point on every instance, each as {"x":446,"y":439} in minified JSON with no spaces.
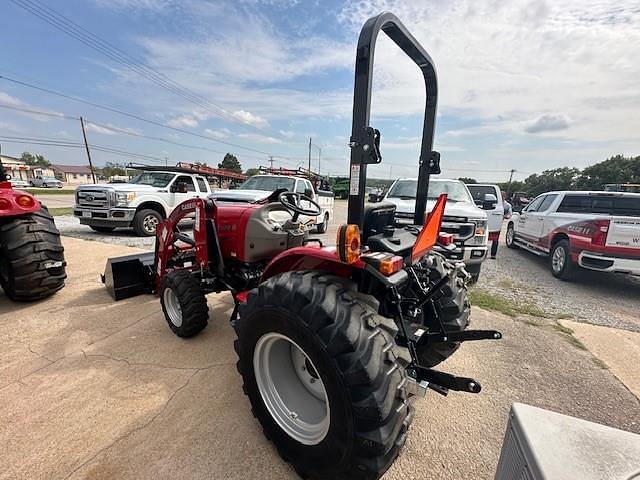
{"x":431,"y":229}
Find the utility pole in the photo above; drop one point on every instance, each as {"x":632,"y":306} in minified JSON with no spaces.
{"x":319,"y":158}
{"x":166,"y":161}
{"x":86,"y":146}
{"x":510,"y":180}
{"x":271,"y":163}
{"x":309,"y":171}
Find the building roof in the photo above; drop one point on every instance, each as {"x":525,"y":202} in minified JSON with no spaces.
{"x":77,"y":169}
{"x":11,"y":160}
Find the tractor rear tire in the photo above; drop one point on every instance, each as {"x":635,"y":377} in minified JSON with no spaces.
{"x":32,"y":263}
{"x":183,"y":303}
{"x":350,"y":352}
{"x":453,"y":309}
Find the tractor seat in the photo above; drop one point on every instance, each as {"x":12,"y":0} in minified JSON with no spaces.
{"x":376,"y":217}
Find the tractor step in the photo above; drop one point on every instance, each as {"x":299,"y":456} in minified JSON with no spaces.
{"x":130,"y":275}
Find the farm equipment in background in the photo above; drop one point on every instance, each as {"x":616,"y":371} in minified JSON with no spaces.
{"x":332,"y":341}
{"x":32,"y":263}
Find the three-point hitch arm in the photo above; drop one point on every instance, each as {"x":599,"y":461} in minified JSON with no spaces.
{"x":365,"y":141}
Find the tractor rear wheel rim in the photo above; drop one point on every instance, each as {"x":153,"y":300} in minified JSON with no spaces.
{"x":149,"y":223}
{"x":172,"y":306}
{"x":291,"y":388}
{"x":558,"y":259}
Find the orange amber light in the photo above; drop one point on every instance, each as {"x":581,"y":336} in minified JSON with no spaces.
{"x":348,"y":242}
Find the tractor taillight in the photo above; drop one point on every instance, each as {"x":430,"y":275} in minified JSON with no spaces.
{"x":445,"y":239}
{"x":25,"y":201}
{"x":385,"y":263}
{"x":348,"y":242}
{"x":5,"y":204}
{"x":599,"y":234}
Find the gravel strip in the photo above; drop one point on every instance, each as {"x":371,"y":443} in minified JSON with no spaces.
{"x":611,"y":300}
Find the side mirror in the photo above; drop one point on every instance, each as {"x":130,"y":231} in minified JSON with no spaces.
{"x":489,"y":201}
{"x":308,"y":193}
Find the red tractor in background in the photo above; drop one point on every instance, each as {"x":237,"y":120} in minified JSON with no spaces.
{"x":332,"y":341}
{"x":32,"y":262}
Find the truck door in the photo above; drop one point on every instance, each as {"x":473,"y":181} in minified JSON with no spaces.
{"x":182,"y":189}
{"x":528,"y":220}
{"x":202,"y":187}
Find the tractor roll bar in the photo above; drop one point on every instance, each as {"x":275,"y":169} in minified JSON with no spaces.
{"x":365,"y":140}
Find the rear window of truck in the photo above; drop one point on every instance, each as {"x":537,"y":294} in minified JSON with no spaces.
{"x":479,"y":191}
{"x":608,"y":205}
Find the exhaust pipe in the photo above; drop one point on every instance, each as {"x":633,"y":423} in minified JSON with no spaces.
{"x":130,"y":275}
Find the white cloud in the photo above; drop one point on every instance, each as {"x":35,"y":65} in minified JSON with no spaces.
{"x":287,"y":133}
{"x":16,"y":102}
{"x":259,"y":138}
{"x":250,"y":118}
{"x":182,"y":121}
{"x":220,"y":133}
{"x":550,"y":122}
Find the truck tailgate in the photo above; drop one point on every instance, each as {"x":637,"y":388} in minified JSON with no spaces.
{"x":624,"y":232}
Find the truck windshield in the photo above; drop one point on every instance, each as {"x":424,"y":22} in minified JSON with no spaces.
{"x":155,"y":179}
{"x":456,"y":191}
{"x":268,"y":184}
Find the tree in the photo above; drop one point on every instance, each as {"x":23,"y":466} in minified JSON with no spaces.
{"x":35,"y":160}
{"x":110,"y":169}
{"x":617,"y":169}
{"x":251,"y":172}
{"x":556,"y":179}
{"x":231,"y":162}
{"x":467,"y":180}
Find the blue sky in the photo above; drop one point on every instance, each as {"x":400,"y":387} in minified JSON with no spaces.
{"x":524,"y":84}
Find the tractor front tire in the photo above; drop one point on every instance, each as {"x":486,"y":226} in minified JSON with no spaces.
{"x":183,"y":303}
{"x":324,"y":376}
{"x":32,"y":263}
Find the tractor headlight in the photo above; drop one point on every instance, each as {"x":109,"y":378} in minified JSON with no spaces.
{"x":123,"y":198}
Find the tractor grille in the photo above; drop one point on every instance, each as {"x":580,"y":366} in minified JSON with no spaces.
{"x":92,"y":198}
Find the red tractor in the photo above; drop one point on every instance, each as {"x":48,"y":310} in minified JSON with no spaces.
{"x":32,"y":262}
{"x":332,"y":342}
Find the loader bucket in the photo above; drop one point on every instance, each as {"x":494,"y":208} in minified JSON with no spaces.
{"x":130,"y":275}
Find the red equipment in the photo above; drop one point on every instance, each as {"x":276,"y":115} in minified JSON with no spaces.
{"x":331,"y":341}
{"x":32,"y":262}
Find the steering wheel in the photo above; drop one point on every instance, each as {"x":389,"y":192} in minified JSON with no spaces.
{"x":291,"y":201}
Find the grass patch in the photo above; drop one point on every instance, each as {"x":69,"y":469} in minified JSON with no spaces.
{"x":506,"y":283}
{"x":483,"y":299}
{"x":562,"y":329}
{"x":488,"y":301}
{"x":58,"y":211}
{"x":564,"y":316}
{"x":50,"y":191}
{"x":599,"y":363}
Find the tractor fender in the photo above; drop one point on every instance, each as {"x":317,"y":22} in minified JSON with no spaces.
{"x":310,"y":258}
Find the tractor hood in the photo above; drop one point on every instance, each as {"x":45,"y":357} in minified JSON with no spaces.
{"x":240,"y":195}
{"x":453,"y":209}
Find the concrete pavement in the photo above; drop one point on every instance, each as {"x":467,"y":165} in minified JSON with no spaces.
{"x":93,"y":389}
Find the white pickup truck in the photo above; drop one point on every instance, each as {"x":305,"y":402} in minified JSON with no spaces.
{"x":593,"y":230}
{"x":463,"y":219}
{"x":141,"y":203}
{"x":261,"y":186}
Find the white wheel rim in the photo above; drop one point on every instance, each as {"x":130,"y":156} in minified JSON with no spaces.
{"x":558,"y":259}
{"x":291,"y":388}
{"x":510,"y":236}
{"x":172,"y":306}
{"x":149,"y":223}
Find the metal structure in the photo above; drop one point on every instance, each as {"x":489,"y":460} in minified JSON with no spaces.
{"x":365,"y":140}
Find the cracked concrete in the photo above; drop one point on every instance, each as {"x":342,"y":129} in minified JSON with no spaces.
{"x":93,"y":389}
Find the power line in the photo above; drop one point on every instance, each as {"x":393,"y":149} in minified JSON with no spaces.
{"x":38,"y":112}
{"x":93,"y":41}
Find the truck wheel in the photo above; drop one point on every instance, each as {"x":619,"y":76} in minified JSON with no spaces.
{"x":32,"y":263}
{"x":474,"y":271}
{"x":183,"y":303}
{"x":511,"y":236}
{"x":324,"y":376}
{"x":102,"y":229}
{"x":562,"y":266}
{"x":322,"y":228}
{"x":145,"y":222}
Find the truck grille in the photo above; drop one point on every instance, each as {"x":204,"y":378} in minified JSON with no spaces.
{"x":461,"y":228}
{"x":92,"y":198}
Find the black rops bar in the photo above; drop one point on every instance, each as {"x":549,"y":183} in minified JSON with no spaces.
{"x":364,"y":139}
